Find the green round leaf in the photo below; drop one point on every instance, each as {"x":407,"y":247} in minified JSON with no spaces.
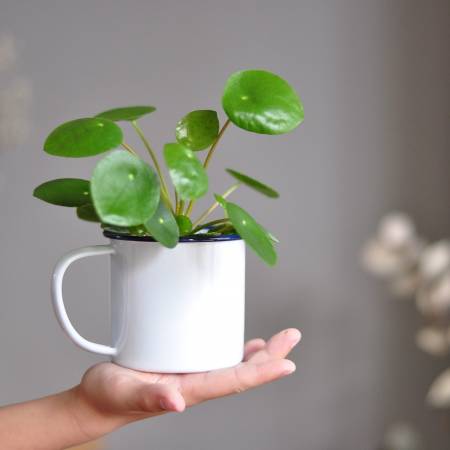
{"x":128,"y":113}
{"x":87,"y":212}
{"x":254,"y":184}
{"x":64,"y":192}
{"x":184,"y":224}
{"x":252,"y":232}
{"x":186,"y":171}
{"x":163,"y":226}
{"x":125,"y":190}
{"x":198,"y":129}
{"x":261,"y":102}
{"x":83,"y":137}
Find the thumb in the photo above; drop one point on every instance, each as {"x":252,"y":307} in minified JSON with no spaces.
{"x":156,"y":398}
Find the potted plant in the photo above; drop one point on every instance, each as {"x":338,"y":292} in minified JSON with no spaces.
{"x":177,"y":279}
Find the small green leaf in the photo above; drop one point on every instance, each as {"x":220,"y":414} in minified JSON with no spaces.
{"x":254,"y":184}
{"x":163,"y":226}
{"x":220,"y":200}
{"x":83,"y":137}
{"x":87,"y":212}
{"x":186,"y":171}
{"x":64,"y":192}
{"x":253,"y":233}
{"x":184,"y":224}
{"x":128,"y":113}
{"x":125,"y":190}
{"x":198,"y":129}
{"x":261,"y":102}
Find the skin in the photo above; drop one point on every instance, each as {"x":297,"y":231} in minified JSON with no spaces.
{"x":110,"y":397}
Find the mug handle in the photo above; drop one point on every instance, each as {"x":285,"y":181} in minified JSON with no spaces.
{"x":58,"y":302}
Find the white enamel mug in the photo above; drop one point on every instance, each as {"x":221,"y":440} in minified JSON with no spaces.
{"x":172,"y":310}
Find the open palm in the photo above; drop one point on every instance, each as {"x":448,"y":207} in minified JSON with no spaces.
{"x":118,"y":391}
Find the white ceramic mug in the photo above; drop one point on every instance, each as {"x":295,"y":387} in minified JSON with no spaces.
{"x":172,"y":310}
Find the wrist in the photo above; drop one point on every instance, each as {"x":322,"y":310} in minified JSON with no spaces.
{"x":91,"y":421}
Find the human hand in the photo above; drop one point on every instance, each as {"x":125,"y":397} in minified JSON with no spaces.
{"x":110,"y":396}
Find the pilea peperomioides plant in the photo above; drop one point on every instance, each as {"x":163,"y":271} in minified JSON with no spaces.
{"x":128,"y":196}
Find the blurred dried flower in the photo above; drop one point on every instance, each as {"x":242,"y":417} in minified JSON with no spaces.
{"x":411,"y":268}
{"x":384,"y":262}
{"x":433,"y":299}
{"x":433,"y":340}
{"x":439,"y":393}
{"x":405,"y":284}
{"x":15,"y":97}
{"x":8,"y":53}
{"x":435,"y":260}
{"x":14,"y":105}
{"x":402,"y":436}
{"x":394,"y":252}
{"x":396,"y":230}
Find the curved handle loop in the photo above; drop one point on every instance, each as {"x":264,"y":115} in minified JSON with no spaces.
{"x":58,"y":302}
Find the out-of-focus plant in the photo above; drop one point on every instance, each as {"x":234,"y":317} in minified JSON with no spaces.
{"x":416,"y":269}
{"x":15,"y":96}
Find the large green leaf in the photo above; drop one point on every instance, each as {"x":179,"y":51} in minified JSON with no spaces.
{"x":261,"y":102}
{"x":252,"y":232}
{"x":64,"y":192}
{"x":198,"y":129}
{"x":83,"y":137}
{"x":188,"y":175}
{"x":254,"y":184}
{"x":127,"y":113}
{"x":87,"y":212}
{"x":125,"y":190}
{"x":163,"y":226}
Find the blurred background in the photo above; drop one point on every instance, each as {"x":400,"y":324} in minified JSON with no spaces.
{"x":374,"y":79}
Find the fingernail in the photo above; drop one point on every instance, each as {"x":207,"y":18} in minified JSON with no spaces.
{"x":295,"y":337}
{"x":290,"y":368}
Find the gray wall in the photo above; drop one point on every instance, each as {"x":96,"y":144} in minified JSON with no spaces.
{"x":373,"y":76}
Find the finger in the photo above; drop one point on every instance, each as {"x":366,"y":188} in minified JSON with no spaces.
{"x":253,"y":346}
{"x":278,"y":346}
{"x":153,"y":398}
{"x":236,"y":379}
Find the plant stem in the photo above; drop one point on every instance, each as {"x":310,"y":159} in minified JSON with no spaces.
{"x":208,"y":158}
{"x":130,"y":149}
{"x":214,"y":145}
{"x":208,"y":224}
{"x":167,"y":201}
{"x":177,"y":205}
{"x":205,"y":214}
{"x":154,"y":159}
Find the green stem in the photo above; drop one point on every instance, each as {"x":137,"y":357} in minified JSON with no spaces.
{"x":129,"y":149}
{"x":177,"y":205}
{"x":154,"y":159}
{"x":208,"y":224}
{"x":206,"y":213}
{"x":214,"y":145}
{"x":208,"y":158}
{"x":167,"y":201}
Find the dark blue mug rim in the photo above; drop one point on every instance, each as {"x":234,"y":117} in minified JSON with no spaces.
{"x":192,"y":238}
